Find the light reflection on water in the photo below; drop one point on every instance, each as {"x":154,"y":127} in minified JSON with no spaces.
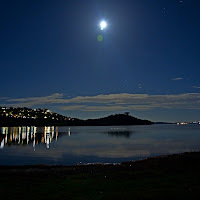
{"x":72,"y":145}
{"x":28,"y":135}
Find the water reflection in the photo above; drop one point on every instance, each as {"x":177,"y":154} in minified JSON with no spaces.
{"x":125,"y":134}
{"x":93,"y":144}
{"x":120,"y":132}
{"x":26,"y":135}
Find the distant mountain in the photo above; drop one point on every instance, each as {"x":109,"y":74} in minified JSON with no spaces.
{"x":163,"y":123}
{"x":44,"y":117}
{"x":118,"y":119}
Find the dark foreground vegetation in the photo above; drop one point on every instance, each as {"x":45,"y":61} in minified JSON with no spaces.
{"x":44,"y":117}
{"x":169,"y":177}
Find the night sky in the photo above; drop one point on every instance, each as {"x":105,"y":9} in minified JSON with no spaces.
{"x":148,"y":62}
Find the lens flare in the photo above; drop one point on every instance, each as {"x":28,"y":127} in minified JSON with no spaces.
{"x":100,"y":38}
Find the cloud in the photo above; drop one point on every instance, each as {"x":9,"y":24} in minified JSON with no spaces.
{"x":198,"y":87}
{"x":111,"y":102}
{"x":35,"y":101}
{"x":139,"y":86}
{"x":177,"y":79}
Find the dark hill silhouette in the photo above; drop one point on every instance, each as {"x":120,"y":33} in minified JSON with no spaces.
{"x":44,"y":117}
{"x":118,"y":119}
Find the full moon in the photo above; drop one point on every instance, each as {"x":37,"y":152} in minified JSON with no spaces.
{"x":103,"y":25}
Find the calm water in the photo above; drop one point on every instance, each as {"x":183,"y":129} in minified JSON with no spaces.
{"x":73,"y":145}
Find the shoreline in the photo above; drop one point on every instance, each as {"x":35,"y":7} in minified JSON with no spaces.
{"x":168,"y":157}
{"x":155,"y":178}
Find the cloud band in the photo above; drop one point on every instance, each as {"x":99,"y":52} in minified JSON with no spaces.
{"x":111,"y":102}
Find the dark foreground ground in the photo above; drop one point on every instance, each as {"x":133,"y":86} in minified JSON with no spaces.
{"x":175,"y":176}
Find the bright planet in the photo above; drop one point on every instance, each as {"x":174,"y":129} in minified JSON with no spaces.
{"x":103,"y":25}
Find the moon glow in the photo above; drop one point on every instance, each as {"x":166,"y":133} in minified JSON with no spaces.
{"x":103,"y":25}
